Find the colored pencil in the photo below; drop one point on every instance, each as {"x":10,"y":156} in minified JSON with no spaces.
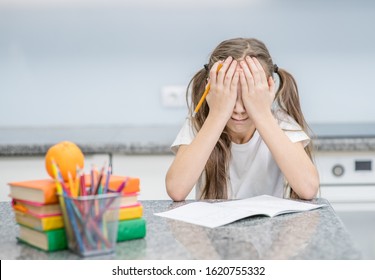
{"x":83,"y":184}
{"x":123,"y":185}
{"x":109,"y":172}
{"x":74,"y":225}
{"x":77,"y":182}
{"x":98,"y":183}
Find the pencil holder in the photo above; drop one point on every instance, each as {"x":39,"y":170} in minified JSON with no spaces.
{"x":91,"y":223}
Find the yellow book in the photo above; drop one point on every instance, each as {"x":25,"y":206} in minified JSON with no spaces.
{"x":39,"y":223}
{"x":131,"y":212}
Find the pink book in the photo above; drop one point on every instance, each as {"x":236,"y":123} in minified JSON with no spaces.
{"x":36,"y":209}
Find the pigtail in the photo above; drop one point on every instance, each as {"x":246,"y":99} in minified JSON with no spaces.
{"x":216,"y":168}
{"x":197,"y":84}
{"x":288,"y":100}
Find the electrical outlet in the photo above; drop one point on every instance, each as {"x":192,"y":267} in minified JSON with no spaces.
{"x":173,"y":96}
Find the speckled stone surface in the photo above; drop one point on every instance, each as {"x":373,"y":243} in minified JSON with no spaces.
{"x":345,"y":144}
{"x":156,"y":139}
{"x":317,"y":234}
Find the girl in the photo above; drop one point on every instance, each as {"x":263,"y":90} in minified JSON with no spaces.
{"x":246,"y":140}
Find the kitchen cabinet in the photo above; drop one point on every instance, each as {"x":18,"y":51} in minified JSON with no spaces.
{"x":347,"y":179}
{"x":348,"y":183}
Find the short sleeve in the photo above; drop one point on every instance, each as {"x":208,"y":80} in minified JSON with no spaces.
{"x":184,"y":137}
{"x":291,"y":128}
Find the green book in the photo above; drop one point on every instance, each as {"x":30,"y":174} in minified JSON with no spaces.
{"x":131,"y":229}
{"x":51,"y":240}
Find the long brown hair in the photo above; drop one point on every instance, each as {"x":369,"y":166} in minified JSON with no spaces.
{"x":287,"y":98}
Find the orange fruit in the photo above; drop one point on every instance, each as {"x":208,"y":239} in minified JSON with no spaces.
{"x":67,"y":156}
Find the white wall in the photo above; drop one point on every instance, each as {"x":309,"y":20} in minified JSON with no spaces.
{"x":104,"y":62}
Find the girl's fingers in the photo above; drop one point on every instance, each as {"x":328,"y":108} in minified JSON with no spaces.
{"x":271,"y":84}
{"x":248,"y":76}
{"x":230,"y":74}
{"x":261,"y":72}
{"x":223,"y":70}
{"x":243,"y":81}
{"x":256,"y":71}
{"x":253,"y":69}
{"x":213,"y":72}
{"x":234,"y":83}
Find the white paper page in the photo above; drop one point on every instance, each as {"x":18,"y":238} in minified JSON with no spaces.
{"x":269,"y":205}
{"x":205,"y":214}
{"x":222,"y":213}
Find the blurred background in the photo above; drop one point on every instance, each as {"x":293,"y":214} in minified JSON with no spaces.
{"x":92,"y":62}
{"x":115,"y":63}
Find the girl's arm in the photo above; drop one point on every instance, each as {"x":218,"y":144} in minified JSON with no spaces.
{"x":291,"y":158}
{"x":191,"y":159}
{"x":258,"y":94}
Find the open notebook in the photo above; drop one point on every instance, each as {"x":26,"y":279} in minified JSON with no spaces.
{"x":217,"y":214}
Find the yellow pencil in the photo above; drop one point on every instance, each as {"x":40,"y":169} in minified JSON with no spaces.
{"x":58,"y":184}
{"x":76,"y":181}
{"x":205,"y":93}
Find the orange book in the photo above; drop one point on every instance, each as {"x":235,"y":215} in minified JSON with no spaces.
{"x":40,"y":191}
{"x":132,"y":186}
{"x":44,"y":190}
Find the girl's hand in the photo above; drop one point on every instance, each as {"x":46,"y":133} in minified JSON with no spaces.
{"x":223,"y":89}
{"x":258,"y":92}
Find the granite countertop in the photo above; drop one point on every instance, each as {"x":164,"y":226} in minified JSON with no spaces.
{"x":92,"y":140}
{"x":29,"y":141}
{"x":317,"y":234}
{"x":344,"y":136}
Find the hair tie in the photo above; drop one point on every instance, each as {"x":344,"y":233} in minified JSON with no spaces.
{"x":275,"y":68}
{"x":206,"y":67}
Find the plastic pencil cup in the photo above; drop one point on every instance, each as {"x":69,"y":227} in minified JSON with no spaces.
{"x":91,"y":223}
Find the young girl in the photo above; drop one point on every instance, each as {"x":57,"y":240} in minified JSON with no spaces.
{"x":246,"y":139}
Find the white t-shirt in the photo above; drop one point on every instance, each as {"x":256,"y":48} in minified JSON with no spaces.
{"x":252,"y":169}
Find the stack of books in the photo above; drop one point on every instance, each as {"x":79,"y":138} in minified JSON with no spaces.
{"x":131,"y":224}
{"x":38,"y":214}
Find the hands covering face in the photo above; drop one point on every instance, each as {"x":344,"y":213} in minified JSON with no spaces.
{"x":246,"y":78}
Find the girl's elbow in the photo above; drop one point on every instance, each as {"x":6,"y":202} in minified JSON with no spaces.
{"x":173,"y":190}
{"x":311,"y":188}
{"x":175,"y":196}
